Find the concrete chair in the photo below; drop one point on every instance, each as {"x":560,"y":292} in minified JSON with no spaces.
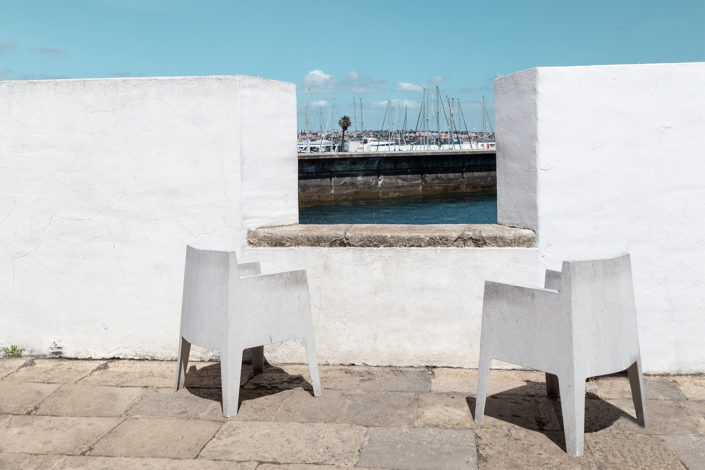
{"x":583,"y":324}
{"x":232,"y":307}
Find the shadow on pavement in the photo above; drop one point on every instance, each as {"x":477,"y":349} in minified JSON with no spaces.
{"x":205,"y":382}
{"x":529,"y":407}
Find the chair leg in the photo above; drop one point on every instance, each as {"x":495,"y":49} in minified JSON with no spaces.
{"x":310,"y":345}
{"x":636,"y":380}
{"x":230,"y":369}
{"x":552,"y":389}
{"x":258,"y":359}
{"x":572,"y":390}
{"x":182,"y":362}
{"x":483,"y":375}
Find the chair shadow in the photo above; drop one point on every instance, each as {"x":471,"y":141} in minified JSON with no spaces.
{"x":529,"y":407}
{"x":206,"y":382}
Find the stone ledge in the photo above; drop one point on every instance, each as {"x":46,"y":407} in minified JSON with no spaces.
{"x":392,"y":235}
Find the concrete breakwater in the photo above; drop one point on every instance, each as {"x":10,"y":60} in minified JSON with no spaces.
{"x":389,"y":174}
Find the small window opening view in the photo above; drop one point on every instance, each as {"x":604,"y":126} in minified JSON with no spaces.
{"x":439,"y":172}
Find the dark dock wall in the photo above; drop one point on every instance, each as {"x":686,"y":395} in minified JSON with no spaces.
{"x":391,"y":174}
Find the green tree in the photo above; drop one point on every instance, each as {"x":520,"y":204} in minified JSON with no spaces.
{"x":344,"y":123}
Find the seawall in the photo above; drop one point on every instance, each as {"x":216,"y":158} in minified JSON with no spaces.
{"x":389,"y":174}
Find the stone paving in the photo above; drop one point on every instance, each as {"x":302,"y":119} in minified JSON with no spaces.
{"x":122,"y":414}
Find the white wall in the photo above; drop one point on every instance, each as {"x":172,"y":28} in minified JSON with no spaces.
{"x":397,"y":306}
{"x":104,"y":182}
{"x":620,"y":153}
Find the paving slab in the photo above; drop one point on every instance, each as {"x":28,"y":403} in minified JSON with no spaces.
{"x":690,"y":450}
{"x":692,"y":386}
{"x":628,"y":450}
{"x":375,"y":379}
{"x":303,"y":466}
{"x":170,"y":438}
{"x":419,"y":448}
{"x":380,"y":379}
{"x":89,"y":400}
{"x":331,"y":444}
{"x":450,"y":411}
{"x":275,"y":379}
{"x":601,"y":414}
{"x":184,"y":404}
{"x":5,"y":419}
{"x":256,"y":405}
{"x":52,"y":434}
{"x":381,"y":408}
{"x":134,"y":374}
{"x":656,"y":388}
{"x":695,"y":411}
{"x":8,"y":366}
{"x":510,"y":382}
{"x":664,"y":418}
{"x":54,"y":370}
{"x":207,"y":374}
{"x":509,"y":410}
{"x":114,"y":463}
{"x":302,"y":407}
{"x":503,"y":448}
{"x":31,"y":462}
{"x":21,"y":398}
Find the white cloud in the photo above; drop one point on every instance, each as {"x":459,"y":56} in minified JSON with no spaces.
{"x":320,"y":103}
{"x":436,"y":79}
{"x":406,"y":86}
{"x":317,"y":81}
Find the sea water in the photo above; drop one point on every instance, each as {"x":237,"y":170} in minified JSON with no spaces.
{"x":452,"y":208}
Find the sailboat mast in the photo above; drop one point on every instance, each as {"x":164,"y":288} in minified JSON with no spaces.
{"x":308,"y":104}
{"x":355,"y":114}
{"x":438,"y":117}
{"x":362,"y":120}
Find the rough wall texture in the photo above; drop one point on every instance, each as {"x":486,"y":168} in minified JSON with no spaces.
{"x":618,"y":157}
{"x":104,"y":182}
{"x":392,"y":235}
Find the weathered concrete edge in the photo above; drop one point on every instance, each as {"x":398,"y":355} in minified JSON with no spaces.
{"x":393,"y":235}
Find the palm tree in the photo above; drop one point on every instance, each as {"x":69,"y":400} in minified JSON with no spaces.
{"x":344,"y":123}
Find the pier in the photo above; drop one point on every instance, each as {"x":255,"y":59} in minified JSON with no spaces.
{"x":350,"y":175}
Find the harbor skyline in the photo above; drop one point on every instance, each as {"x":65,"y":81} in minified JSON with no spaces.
{"x":384,"y":53}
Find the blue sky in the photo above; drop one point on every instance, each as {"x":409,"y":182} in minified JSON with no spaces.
{"x":377,"y":50}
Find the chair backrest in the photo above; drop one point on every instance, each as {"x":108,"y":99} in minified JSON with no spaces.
{"x":205,"y":295}
{"x":603,"y":313}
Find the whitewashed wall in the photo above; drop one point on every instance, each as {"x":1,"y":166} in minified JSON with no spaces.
{"x":397,"y":306}
{"x":616,"y":155}
{"x":104,"y":182}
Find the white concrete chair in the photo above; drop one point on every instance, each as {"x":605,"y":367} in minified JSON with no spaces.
{"x":583,"y":324}
{"x":232,"y":307}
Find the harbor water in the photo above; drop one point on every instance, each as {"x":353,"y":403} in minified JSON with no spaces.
{"x":451,"y":208}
